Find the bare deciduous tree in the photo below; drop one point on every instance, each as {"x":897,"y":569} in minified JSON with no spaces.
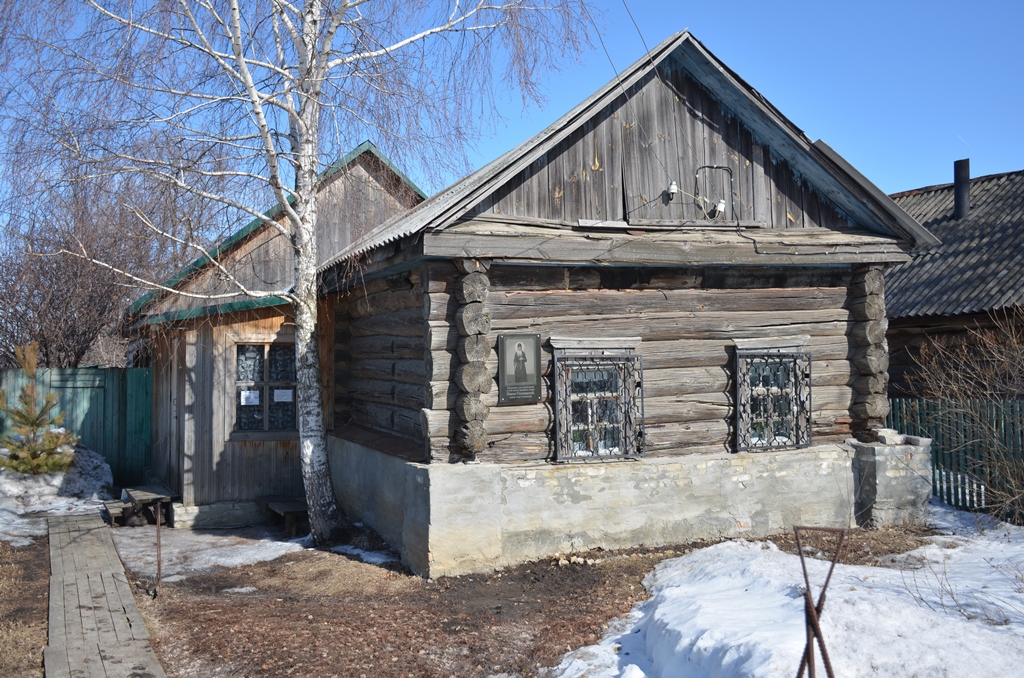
{"x":65,"y":302}
{"x":977,"y":382}
{"x":261,"y":96}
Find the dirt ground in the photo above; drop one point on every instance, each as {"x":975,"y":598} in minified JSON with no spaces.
{"x":24,"y":599}
{"x":861,"y":547}
{"x":320,"y":614}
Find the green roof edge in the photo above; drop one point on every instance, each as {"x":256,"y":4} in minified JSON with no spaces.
{"x":247,"y":230}
{"x":216,"y":309}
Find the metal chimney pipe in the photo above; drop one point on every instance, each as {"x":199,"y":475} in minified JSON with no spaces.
{"x":961,"y":188}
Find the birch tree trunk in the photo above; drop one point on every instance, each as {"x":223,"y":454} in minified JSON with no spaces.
{"x":325,"y":520}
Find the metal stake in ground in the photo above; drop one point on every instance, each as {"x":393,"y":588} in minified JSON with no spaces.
{"x":159,"y":555}
{"x":812,"y":612}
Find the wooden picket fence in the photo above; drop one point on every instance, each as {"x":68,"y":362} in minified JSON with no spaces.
{"x":108,"y":408}
{"x":972,"y":443}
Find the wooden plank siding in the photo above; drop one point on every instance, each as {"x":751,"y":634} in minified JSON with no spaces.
{"x":196,"y":451}
{"x":352,"y":202}
{"x":906,"y":336}
{"x":619,"y":163}
{"x":686,"y":319}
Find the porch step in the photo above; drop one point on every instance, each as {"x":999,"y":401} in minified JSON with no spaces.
{"x":118,"y":511}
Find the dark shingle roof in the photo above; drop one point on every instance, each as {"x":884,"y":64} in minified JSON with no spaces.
{"x":978,"y":267}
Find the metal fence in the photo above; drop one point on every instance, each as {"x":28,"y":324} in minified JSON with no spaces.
{"x":973,"y":442}
{"x":108,"y":408}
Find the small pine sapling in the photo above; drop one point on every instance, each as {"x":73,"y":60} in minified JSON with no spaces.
{"x":41,"y":444}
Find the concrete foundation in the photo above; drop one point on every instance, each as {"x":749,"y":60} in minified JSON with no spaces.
{"x":222,"y":514}
{"x":447,"y":519}
{"x":894,"y":479}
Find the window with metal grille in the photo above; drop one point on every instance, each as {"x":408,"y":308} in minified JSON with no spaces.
{"x":773,"y":400}
{"x":599,"y":404}
{"x":265,"y":387}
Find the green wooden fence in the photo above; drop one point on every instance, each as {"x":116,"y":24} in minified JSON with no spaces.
{"x":108,"y":408}
{"x":971,"y":442}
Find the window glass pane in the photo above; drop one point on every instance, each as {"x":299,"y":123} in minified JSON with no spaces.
{"x":282,"y":362}
{"x":598,"y":401}
{"x":774,"y":409}
{"x":281,"y":409}
{"x":249,"y":408}
{"x":249,"y":363}
{"x":586,"y":381}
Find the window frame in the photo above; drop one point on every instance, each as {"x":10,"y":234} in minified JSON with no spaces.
{"x":597,"y":353}
{"x":800,"y":394}
{"x":265,"y":386}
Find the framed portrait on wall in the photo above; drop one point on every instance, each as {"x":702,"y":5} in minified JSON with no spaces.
{"x":519,"y":368}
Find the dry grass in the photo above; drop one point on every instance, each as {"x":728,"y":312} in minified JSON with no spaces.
{"x":321,"y":614}
{"x":24,"y":579}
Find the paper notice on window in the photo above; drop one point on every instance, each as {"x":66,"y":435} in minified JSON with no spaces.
{"x":283,"y":395}
{"x":250,"y":397}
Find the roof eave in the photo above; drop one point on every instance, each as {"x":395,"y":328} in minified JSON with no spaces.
{"x":907,"y":225}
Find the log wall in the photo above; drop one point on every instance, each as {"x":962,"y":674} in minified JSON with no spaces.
{"x":686,"y":318}
{"x":380,"y":361}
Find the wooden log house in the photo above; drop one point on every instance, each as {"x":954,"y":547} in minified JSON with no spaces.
{"x":217,"y":454}
{"x":656,"y":320}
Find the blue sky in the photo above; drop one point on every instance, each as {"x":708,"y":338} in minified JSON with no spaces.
{"x":901,"y":89}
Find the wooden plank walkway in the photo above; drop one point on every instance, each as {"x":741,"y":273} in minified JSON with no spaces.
{"x":96,"y":630}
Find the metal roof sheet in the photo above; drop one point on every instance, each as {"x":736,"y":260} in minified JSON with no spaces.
{"x":979,"y":266}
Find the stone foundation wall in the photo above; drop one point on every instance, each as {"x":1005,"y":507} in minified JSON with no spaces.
{"x":220,"y":514}
{"x":894,"y":479}
{"x":447,"y":519}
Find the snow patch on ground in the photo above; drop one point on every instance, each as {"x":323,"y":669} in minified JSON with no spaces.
{"x":736,"y":609}
{"x":240,"y":589}
{"x":186,"y":552}
{"x":26,"y":499}
{"x":371,"y":557}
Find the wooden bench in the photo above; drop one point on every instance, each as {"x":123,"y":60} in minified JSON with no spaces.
{"x":152,"y":497}
{"x":295,"y":513}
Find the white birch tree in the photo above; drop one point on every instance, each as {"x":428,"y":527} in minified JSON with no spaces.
{"x":256,"y":98}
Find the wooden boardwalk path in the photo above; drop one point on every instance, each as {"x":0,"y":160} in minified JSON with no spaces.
{"x":96,"y":629}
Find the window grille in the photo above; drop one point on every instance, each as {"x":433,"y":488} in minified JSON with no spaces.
{"x":265,"y":387}
{"x":773,"y":400}
{"x":599,"y":404}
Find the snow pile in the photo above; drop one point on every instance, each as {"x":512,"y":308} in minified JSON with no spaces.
{"x":371,"y":557}
{"x":25,"y":499}
{"x":186,"y":552}
{"x":736,"y":609}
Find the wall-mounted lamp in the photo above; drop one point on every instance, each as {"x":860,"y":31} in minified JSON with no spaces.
{"x":673,"y":188}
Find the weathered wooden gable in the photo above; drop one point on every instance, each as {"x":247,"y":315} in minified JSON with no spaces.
{"x":353,"y":200}
{"x":617,"y":166}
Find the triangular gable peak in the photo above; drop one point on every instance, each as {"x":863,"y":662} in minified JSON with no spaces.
{"x":357,"y":193}
{"x":618,"y":165}
{"x":691,"y":122}
{"x":654,"y":122}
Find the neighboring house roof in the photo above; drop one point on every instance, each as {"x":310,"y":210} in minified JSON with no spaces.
{"x":814,"y":161}
{"x":979,"y":266}
{"x":254,"y":226}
